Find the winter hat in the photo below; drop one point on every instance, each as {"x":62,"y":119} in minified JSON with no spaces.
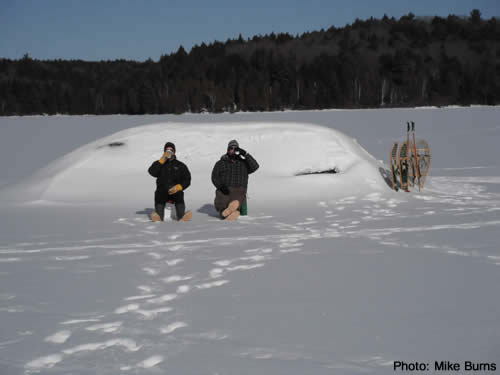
{"x":233,"y":143}
{"x":167,"y":145}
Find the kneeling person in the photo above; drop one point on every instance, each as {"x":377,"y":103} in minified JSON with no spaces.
{"x":172,"y":178}
{"x":230,"y":177}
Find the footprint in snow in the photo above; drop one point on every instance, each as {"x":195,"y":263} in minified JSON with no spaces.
{"x":105,"y":327}
{"x":145,"y":288}
{"x":183,"y":289}
{"x":291,"y":250}
{"x":69,"y":258}
{"x":258,"y":250}
{"x":460,"y":253}
{"x":174,"y":262}
{"x":151,"y":271}
{"x":154,"y":233}
{"x":151,"y":314}
{"x":156,"y":256}
{"x":172,"y":327}
{"x":213,"y":284}
{"x":48,"y":362}
{"x":216,"y":273}
{"x":257,"y":258}
{"x":290,"y":242}
{"x":59,"y":337}
{"x":245,"y":267}
{"x":286,"y":227}
{"x":79,"y":321}
{"x":123,"y":252}
{"x":330,"y":216}
{"x":211,"y":336}
{"x":124,"y":221}
{"x":162,"y":299}
{"x":146,"y":314}
{"x":136,"y":298}
{"x":223,"y":263}
{"x":41,"y":363}
{"x":142,"y":220}
{"x":125,"y":343}
{"x":176,"y":248}
{"x":176,"y":278}
{"x":151,"y":362}
{"x":309,"y":221}
{"x":373,"y":197}
{"x":290,"y":245}
{"x":127,"y":308}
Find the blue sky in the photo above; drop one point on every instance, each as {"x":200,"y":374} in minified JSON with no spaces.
{"x":138,"y":30}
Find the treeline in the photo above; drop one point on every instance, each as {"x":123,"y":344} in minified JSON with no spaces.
{"x":372,"y":63}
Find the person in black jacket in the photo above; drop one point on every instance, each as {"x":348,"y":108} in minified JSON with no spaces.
{"x":172,"y":178}
{"x":230,"y":177}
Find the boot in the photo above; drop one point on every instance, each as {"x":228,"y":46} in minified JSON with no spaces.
{"x":187,"y":216}
{"x":180,"y":210}
{"x":158,"y":213}
{"x":233,"y":216}
{"x":233,"y":206}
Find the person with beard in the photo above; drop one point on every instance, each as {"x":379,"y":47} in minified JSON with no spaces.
{"x":230,"y":177}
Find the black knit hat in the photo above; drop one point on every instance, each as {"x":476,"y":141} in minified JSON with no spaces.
{"x":168,"y":144}
{"x":233,"y":143}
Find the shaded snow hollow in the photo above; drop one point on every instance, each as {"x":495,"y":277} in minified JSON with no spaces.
{"x":113,"y":169}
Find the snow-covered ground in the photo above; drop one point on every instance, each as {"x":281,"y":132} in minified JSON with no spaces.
{"x":329,"y":274}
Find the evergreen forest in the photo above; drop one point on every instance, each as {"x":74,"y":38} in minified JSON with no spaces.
{"x":373,"y":63}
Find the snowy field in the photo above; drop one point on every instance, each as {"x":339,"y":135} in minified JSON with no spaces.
{"x":328,"y":274}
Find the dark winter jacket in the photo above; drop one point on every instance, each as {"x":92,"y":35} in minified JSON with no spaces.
{"x":171,"y":173}
{"x":233,"y":172}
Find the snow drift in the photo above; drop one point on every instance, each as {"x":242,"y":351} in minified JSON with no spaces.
{"x":114,"y":168}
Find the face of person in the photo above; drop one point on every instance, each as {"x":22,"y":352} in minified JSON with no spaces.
{"x":170,"y":152}
{"x":231,"y":150}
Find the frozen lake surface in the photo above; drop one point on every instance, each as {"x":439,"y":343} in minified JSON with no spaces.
{"x":329,"y":274}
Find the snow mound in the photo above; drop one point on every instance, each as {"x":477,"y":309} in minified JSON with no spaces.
{"x":113,"y":169}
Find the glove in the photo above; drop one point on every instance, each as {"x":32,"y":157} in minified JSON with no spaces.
{"x":174,"y":189}
{"x":224,"y":189}
{"x":164,"y":158}
{"x":166,"y":155}
{"x":241,"y":151}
